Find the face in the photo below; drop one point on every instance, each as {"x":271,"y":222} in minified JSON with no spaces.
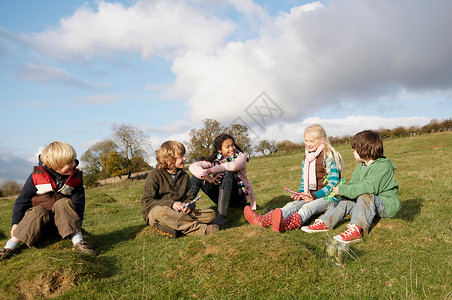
{"x":180,"y":162}
{"x":227,"y":148}
{"x":67,"y":169}
{"x":311,"y":143}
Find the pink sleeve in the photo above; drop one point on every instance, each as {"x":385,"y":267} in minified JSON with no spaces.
{"x":238,"y":164}
{"x":198,"y":168}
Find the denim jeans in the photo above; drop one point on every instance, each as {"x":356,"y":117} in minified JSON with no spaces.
{"x":363,"y":210}
{"x":228,"y":182}
{"x":305,"y":209}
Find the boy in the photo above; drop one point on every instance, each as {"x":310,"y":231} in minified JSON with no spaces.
{"x":372,"y":191}
{"x":52,"y":195}
{"x":166,"y":194}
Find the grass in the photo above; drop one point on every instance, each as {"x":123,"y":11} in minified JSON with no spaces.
{"x":407,"y":257}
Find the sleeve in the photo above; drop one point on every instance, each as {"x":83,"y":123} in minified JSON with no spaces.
{"x":78,"y":198}
{"x":372,"y":183}
{"x":301,"y":189}
{"x":198,"y":168}
{"x":237,"y":164}
{"x":23,"y":201}
{"x":333,"y":179}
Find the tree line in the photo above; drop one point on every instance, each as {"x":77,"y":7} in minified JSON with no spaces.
{"x":125,"y":152}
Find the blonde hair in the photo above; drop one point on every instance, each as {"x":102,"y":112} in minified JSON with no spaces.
{"x":317,"y":132}
{"x":57,"y":154}
{"x":167,"y":154}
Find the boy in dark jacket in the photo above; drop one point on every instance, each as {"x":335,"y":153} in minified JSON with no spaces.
{"x":166,"y":197}
{"x":371,"y":192}
{"x":52,"y":194}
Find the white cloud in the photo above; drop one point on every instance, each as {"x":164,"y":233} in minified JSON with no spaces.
{"x":150,"y":28}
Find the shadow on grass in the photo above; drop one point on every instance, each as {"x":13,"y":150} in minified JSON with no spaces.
{"x":276,"y":202}
{"x":2,"y":235}
{"x":107,"y":241}
{"x":410,"y":209}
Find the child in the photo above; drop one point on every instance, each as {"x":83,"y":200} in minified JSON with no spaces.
{"x":321,"y":168}
{"x":372,"y":190}
{"x":222,"y":177}
{"x":52,"y":195}
{"x":166,"y":195}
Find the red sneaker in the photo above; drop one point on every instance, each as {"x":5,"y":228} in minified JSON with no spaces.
{"x":318,"y":226}
{"x":353,"y":234}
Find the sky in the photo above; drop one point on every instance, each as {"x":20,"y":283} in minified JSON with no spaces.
{"x":70,"y":70}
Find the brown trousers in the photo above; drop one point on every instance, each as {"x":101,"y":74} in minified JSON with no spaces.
{"x":35,"y":220}
{"x":194,"y":223}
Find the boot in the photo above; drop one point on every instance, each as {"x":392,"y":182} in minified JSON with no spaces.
{"x":212,"y":228}
{"x":224,"y":197}
{"x":280,"y":225}
{"x":255,"y":219}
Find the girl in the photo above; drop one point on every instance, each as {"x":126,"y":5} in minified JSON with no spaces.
{"x":222,"y":177}
{"x":321,"y":169}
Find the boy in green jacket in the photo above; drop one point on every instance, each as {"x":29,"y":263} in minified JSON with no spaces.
{"x":371,"y":191}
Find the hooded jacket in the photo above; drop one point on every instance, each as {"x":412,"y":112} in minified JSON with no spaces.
{"x":378,"y":179}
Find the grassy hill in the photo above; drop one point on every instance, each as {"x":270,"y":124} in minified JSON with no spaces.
{"x":409,"y":256}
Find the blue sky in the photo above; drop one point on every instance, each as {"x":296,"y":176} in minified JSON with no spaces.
{"x":69,"y":70}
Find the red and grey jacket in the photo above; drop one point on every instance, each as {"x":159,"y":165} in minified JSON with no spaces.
{"x":44,"y":187}
{"x":48,"y":192}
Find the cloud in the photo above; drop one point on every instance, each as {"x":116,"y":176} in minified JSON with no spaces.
{"x":99,"y":99}
{"x":13,"y":167}
{"x":41,"y":73}
{"x":170,"y":129}
{"x":150,"y":28}
{"x":351,"y":52}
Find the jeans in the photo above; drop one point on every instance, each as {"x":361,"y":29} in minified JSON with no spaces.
{"x":363,"y":211}
{"x":228,"y":182}
{"x":305,"y":209}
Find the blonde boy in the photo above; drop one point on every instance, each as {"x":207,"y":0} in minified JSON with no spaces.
{"x":166,"y":193}
{"x":53,"y":195}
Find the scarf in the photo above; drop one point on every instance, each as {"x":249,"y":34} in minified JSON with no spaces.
{"x":309,"y":177}
{"x":220,"y":159}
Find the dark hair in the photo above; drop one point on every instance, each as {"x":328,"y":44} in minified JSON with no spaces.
{"x":217,"y":144}
{"x":368,"y":144}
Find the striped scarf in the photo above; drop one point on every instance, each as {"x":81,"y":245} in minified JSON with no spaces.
{"x":220,"y":159}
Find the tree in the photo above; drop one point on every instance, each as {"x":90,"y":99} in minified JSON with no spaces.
{"x":131,"y":143}
{"x":10,"y":188}
{"x":116,"y":164}
{"x":241,"y":137}
{"x":95,"y":158}
{"x":266,"y":146}
{"x":201,"y":140}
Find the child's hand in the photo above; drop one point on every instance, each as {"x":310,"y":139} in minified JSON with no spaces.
{"x":306,"y":197}
{"x":296,"y":197}
{"x":336,"y":190}
{"x":180,"y":207}
{"x":215,"y":180}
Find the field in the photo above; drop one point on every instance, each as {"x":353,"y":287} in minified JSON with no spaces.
{"x":406,"y":257}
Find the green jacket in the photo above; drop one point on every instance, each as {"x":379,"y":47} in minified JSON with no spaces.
{"x":159,"y":189}
{"x":378,"y":179}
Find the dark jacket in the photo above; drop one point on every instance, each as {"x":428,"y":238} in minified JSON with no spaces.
{"x":160,"y":189}
{"x":28,"y":196}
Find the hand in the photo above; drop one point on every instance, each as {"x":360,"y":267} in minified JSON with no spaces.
{"x":296,"y":197}
{"x":215,"y":180}
{"x":13,"y":229}
{"x":336,"y":190}
{"x":307,"y":197}
{"x":180,"y":207}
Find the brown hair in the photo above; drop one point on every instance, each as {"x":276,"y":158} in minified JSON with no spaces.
{"x":167,"y":154}
{"x":368,"y":144}
{"x":57,"y":154}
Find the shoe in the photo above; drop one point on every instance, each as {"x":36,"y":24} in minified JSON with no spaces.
{"x":6,"y":253}
{"x":353,"y":234}
{"x":258,"y":220}
{"x":165,"y":231}
{"x":280,"y":225}
{"x":84,"y":248}
{"x":318,"y":226}
{"x":211,"y":228}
